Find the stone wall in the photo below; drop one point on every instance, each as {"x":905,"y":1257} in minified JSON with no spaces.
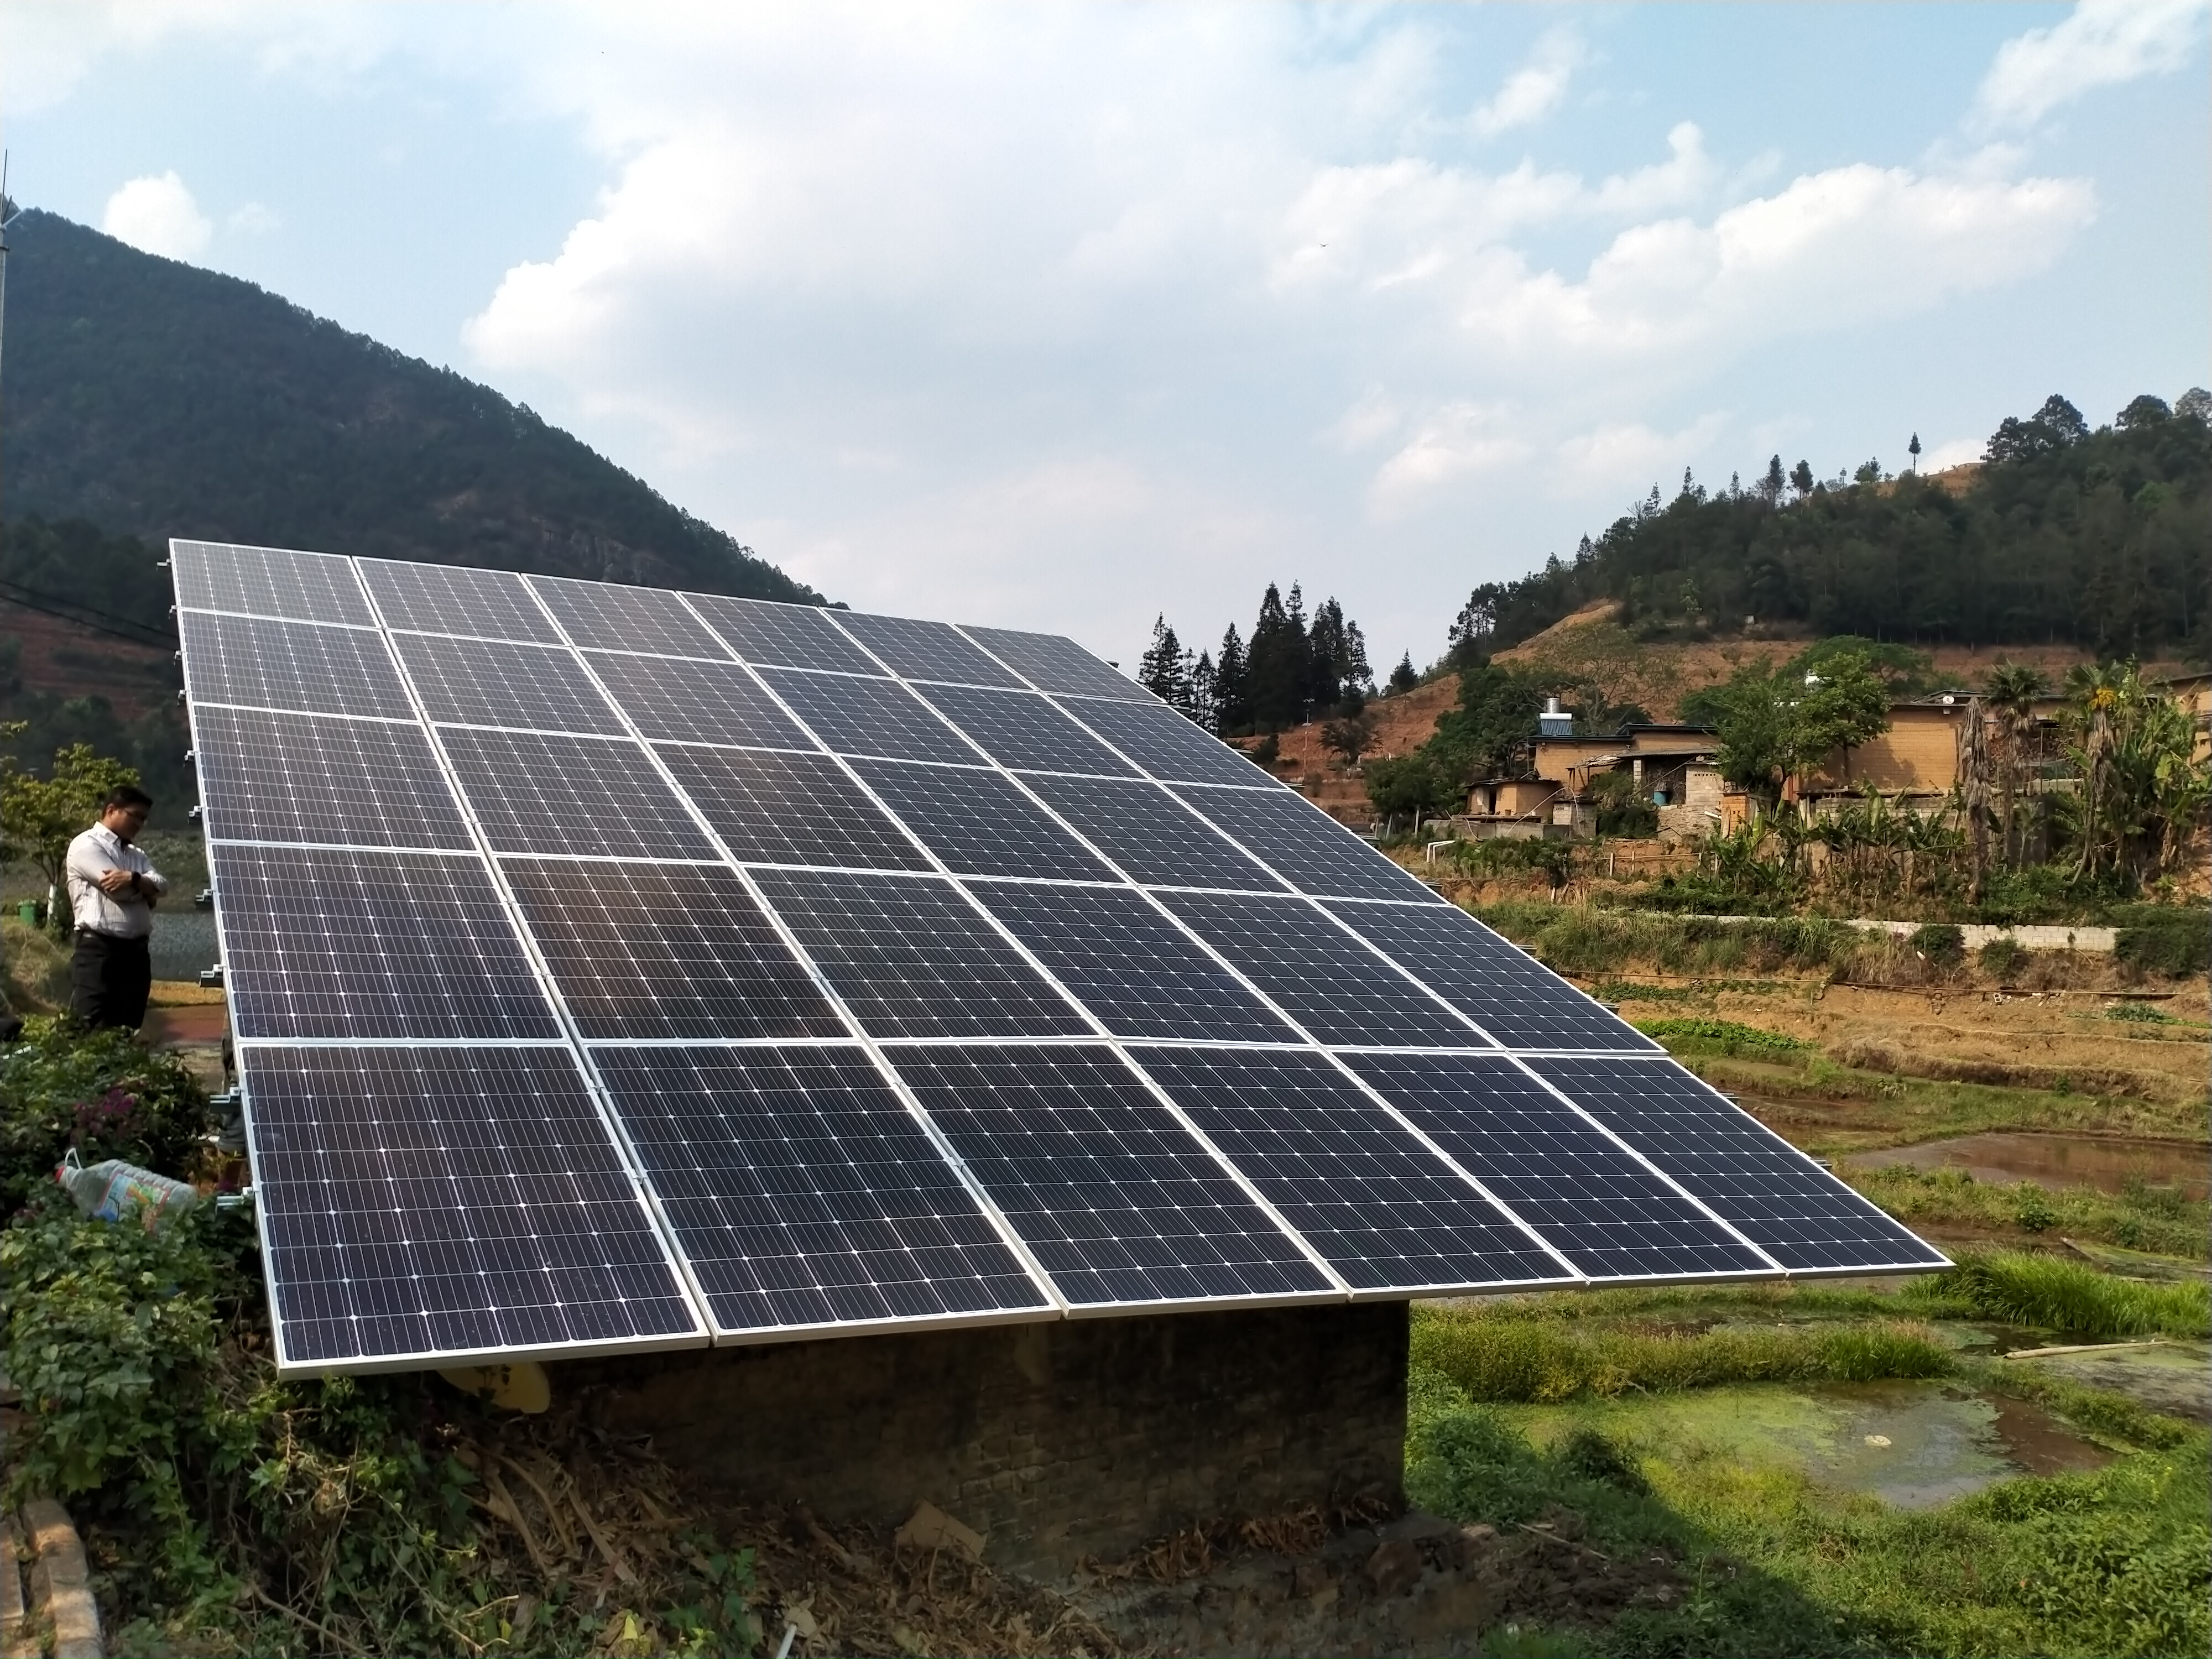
{"x":1056,"y":1440}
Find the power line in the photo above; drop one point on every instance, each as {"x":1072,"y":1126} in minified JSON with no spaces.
{"x":84,"y":616}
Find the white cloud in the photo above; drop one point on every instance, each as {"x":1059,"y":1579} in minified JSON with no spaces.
{"x":2104,"y":43}
{"x":1845,"y":246}
{"x":1952,"y":452}
{"x":1459,"y":439}
{"x":156,"y":214}
{"x":253,"y":220}
{"x":1535,"y":89}
{"x":984,"y":310}
{"x":1619,"y":457}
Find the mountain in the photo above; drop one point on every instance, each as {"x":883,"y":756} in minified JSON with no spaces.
{"x":2099,"y":540}
{"x":156,"y":400}
{"x":143,"y":398}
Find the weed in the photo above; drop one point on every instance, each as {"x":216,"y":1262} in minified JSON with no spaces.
{"x":1493,"y":1358}
{"x":102,"y":1093}
{"x":2032,"y":1209}
{"x":2140,"y":1013}
{"x":2056,"y":1295}
{"x":1722,"y":1036}
{"x":2164,"y":1220}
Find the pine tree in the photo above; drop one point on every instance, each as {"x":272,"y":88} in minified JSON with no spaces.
{"x":1769,"y":487}
{"x":1278,"y":666}
{"x":1232,"y":687}
{"x":1162,"y":670}
{"x":1204,"y":708}
{"x":1800,"y":478}
{"x":1405,"y":677}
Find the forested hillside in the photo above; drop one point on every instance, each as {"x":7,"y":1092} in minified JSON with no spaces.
{"x":155,"y":399}
{"x":2100,"y":539}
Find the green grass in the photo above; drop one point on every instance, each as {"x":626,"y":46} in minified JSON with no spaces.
{"x":2072,"y":1298}
{"x":1765,"y":1560}
{"x":1490,"y":1358}
{"x":1722,"y":1036}
{"x":2161,"y":1221}
{"x":1599,"y":942}
{"x":1887,"y":1110}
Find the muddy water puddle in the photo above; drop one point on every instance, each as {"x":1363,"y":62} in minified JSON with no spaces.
{"x":2107,"y":1163}
{"x":1913,"y":1445}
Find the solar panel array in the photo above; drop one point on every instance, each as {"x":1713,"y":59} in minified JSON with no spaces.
{"x":614,"y":970}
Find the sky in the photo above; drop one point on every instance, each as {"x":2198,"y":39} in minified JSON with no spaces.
{"x":1064,"y":317}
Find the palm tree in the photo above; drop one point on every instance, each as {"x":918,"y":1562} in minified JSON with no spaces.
{"x":2011,"y":690}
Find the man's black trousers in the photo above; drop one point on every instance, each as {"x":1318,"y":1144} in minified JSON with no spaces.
{"x":109,"y":978}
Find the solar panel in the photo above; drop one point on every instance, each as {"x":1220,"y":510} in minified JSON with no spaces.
{"x":923,"y":650}
{"x":332,"y":942}
{"x":1131,"y":966}
{"x":267,"y":581}
{"x":611,"y":618}
{"x":773,"y":808}
{"x":617,"y":970}
{"x":304,"y":667}
{"x":1512,"y":995}
{"x":1600,"y":1206}
{"x":687,"y":701}
{"x":1297,"y":839}
{"x":1142,"y":830}
{"x":1771,"y":1193}
{"x":583,"y":797}
{"x":913,"y":958}
{"x":856,"y":716}
{"x":1329,"y":982}
{"x":1053,"y":663}
{"x":978,"y":823}
{"x":266,"y":776}
{"x":491,"y":683}
{"x":803,"y":1194}
{"x":1385,"y":1211}
{"x":1119,"y":1202}
{"x":783,"y":636}
{"x":442,"y":598}
{"x":429,"y":1205}
{"x":1023,"y":730}
{"x":1166,"y":744}
{"x":665,"y":951}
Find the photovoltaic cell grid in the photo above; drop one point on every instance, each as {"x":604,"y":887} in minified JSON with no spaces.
{"x":617,"y":968}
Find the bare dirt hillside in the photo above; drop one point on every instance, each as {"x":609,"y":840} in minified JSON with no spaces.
{"x":1401,"y":723}
{"x":1591,"y":644}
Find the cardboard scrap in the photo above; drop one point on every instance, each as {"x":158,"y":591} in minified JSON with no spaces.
{"x":930,"y":1528}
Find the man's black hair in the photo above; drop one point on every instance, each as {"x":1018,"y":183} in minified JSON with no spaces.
{"x":126,"y":796}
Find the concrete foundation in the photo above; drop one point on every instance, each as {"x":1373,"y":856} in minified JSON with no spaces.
{"x":1056,"y":1440}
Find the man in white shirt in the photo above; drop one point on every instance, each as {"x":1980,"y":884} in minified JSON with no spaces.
{"x":112,"y":887}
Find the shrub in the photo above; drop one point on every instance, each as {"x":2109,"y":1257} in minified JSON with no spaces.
{"x":2174,"y":943}
{"x":2002,"y":958}
{"x":1942,"y":943}
{"x":104,"y":1093}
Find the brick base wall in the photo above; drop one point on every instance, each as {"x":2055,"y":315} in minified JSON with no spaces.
{"x":1055,"y":1441}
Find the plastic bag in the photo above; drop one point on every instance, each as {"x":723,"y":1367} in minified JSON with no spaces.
{"x":111,"y":1189}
